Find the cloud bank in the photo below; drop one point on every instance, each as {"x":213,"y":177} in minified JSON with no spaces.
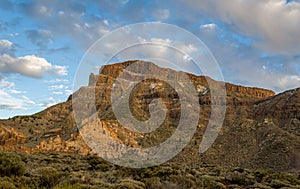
{"x":275,"y":23}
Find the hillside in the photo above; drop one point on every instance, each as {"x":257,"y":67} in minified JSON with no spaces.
{"x":261,"y":130}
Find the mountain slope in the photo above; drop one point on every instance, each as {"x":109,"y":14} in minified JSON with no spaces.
{"x":260,"y":130}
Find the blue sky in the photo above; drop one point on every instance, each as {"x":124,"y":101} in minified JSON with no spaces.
{"x":256,"y":43}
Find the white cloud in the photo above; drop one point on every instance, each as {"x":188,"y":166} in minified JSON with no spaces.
{"x":60,"y":70}
{"x":148,"y":48}
{"x":27,"y":100}
{"x":9,"y":102}
{"x":211,"y":26}
{"x":60,"y":89}
{"x":243,"y":64}
{"x":13,"y":91}
{"x":13,"y":34}
{"x":106,"y":22}
{"x":50,"y":102}
{"x":277,"y":81}
{"x":30,"y":65}
{"x":274,"y":22}
{"x":186,"y":48}
{"x":44,"y":11}
{"x":5,"y":84}
{"x":161,"y":41}
{"x":288,"y":81}
{"x":6,"y":47}
{"x":56,"y":87}
{"x":57,"y":81}
{"x":68,"y":92}
{"x":245,"y":71}
{"x":57,"y":92}
{"x":8,"y":98}
{"x":5,"y":44}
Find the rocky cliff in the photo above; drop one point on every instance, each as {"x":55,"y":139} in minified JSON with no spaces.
{"x":108,"y":74}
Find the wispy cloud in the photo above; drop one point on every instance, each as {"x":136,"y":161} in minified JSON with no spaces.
{"x":13,"y":91}
{"x":56,"y":87}
{"x":6,"y":46}
{"x":8,"y":100}
{"x":161,"y":14}
{"x":41,"y":38}
{"x":211,"y":26}
{"x":57,"y":81}
{"x":50,"y":102}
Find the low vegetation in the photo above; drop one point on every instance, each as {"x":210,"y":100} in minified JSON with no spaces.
{"x":66,"y":171}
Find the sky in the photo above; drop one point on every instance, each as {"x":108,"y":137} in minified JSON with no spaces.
{"x":255,"y":42}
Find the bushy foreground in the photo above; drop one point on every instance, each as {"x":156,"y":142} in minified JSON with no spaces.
{"x":66,"y":171}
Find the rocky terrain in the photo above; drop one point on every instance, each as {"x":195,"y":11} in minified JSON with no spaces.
{"x":261,"y":130}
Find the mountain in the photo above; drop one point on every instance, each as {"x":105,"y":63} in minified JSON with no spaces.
{"x":261,"y":130}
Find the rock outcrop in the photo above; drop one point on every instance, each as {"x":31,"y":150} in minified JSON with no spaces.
{"x":74,"y":144}
{"x":9,"y":136}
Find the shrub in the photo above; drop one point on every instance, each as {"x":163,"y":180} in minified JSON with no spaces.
{"x":49,"y":177}
{"x":11,"y":164}
{"x":7,"y":185}
{"x":279,"y":184}
{"x":94,"y":161}
{"x":259,"y":175}
{"x":207,"y":181}
{"x":97,"y":163}
{"x":182,"y":181}
{"x":73,"y":186}
{"x":154,"y":183}
{"x":129,"y":184}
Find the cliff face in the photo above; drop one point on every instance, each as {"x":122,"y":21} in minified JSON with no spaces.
{"x":260,"y":130}
{"x":249,"y":91}
{"x":108,"y":73}
{"x":236,"y":95}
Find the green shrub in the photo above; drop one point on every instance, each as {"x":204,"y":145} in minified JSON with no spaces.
{"x":129,"y":184}
{"x":259,"y":175}
{"x":154,"y":183}
{"x":49,"y":177}
{"x":279,"y":184}
{"x":27,"y":182}
{"x":7,"y":185}
{"x":73,"y":186}
{"x":284,"y":177}
{"x":95,"y":162}
{"x":161,"y":172}
{"x":182,"y":181}
{"x":207,"y":181}
{"x":11,"y":164}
